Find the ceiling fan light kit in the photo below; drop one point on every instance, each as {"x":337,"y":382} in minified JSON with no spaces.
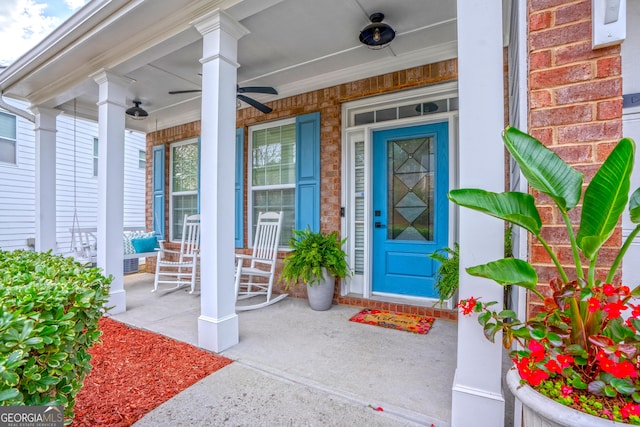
{"x":137,"y":113}
{"x":377,"y":34}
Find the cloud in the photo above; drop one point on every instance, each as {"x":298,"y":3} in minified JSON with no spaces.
{"x":75,"y":4}
{"x":22,"y":25}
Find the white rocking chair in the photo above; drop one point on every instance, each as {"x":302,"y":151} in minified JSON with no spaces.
{"x":183,"y":270}
{"x":260,"y":265}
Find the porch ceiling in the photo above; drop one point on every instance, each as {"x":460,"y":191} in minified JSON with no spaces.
{"x":294,"y":45}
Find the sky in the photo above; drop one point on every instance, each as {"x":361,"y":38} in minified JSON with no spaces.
{"x":23,"y":23}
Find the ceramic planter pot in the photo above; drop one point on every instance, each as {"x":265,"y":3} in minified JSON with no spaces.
{"x":320,"y":295}
{"x":540,"y":411}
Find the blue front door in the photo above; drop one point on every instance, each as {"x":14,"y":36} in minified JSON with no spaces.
{"x":410,"y":207}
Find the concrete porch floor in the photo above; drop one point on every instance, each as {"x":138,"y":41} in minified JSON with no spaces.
{"x":295,"y":366}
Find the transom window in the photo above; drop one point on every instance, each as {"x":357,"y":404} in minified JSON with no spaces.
{"x":7,"y":138}
{"x":273,"y":173}
{"x":184,"y":184}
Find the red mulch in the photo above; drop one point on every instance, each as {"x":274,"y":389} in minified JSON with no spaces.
{"x":134,"y":371}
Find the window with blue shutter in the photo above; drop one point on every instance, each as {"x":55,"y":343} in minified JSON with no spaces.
{"x":284,"y":173}
{"x":239,"y":201}
{"x":158,"y":201}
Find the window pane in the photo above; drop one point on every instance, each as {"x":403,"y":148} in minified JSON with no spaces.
{"x":142,"y":159}
{"x":409,"y":111}
{"x":182,"y":205}
{"x":185,"y":167}
{"x":363,"y":118}
{"x":276,"y":201}
{"x":386,"y":114}
{"x":95,"y":156}
{"x":7,"y":151}
{"x":274,"y":155}
{"x":7,"y":126}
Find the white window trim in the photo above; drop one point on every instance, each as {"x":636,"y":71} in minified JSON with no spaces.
{"x":178,"y":193}
{"x":250,"y":188}
{"x":15,"y":142}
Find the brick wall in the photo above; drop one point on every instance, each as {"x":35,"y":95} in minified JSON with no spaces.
{"x":328,"y":102}
{"x":575,"y":108}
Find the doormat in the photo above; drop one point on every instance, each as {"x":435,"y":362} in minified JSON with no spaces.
{"x":391,"y":319}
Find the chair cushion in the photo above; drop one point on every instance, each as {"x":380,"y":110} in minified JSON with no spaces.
{"x":126,"y":242}
{"x":145,"y":244}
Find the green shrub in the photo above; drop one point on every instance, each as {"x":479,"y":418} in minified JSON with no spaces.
{"x":49,"y":312}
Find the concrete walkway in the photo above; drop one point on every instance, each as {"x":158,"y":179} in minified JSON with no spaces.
{"x":298,"y":367}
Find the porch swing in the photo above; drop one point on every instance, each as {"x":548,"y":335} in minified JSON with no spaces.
{"x":83,"y":240}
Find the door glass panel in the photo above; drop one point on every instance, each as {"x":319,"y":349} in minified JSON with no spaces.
{"x":411,"y":168}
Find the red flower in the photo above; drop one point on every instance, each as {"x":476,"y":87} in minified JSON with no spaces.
{"x":565,"y":361}
{"x":605,"y":363}
{"x":594,"y":304}
{"x":608,"y":289}
{"x":635,"y":313}
{"x":467,"y":305}
{"x":613,"y":309}
{"x":537,"y":350}
{"x":553,"y":367}
{"x":630,"y":409}
{"x":624,"y":369}
{"x":566,"y":390}
{"x":624,"y":290}
{"x":537,"y":377}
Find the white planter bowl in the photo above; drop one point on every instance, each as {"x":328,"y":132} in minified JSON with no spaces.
{"x":540,"y":411}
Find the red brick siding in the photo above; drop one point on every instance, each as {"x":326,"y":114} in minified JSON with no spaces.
{"x":575,"y":107}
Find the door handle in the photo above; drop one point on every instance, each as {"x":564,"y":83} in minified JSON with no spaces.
{"x":378,"y":224}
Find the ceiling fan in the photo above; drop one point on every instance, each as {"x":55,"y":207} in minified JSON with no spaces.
{"x":239,"y":94}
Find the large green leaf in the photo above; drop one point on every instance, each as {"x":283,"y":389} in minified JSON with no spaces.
{"x":514,"y":207}
{"x":605,"y":198}
{"x":544,"y":169}
{"x":507,"y":271}
{"x":634,"y":207}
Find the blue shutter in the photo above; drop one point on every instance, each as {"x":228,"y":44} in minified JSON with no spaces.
{"x":308,"y":172}
{"x":158,"y":201}
{"x":239,"y":232}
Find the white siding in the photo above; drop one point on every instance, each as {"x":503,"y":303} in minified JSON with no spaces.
{"x":76,"y":185}
{"x":17,"y":195}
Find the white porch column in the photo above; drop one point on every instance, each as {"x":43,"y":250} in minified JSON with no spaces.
{"x":111,"y":115}
{"x":477,"y":393}
{"x":45,"y":128}
{"x":218,"y":322}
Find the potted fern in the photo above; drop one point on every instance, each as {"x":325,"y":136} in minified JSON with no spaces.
{"x":315,"y":259}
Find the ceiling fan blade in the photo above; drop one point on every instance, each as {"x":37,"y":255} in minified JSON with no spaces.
{"x":260,"y":106}
{"x":175,"y":92}
{"x":258,"y":89}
